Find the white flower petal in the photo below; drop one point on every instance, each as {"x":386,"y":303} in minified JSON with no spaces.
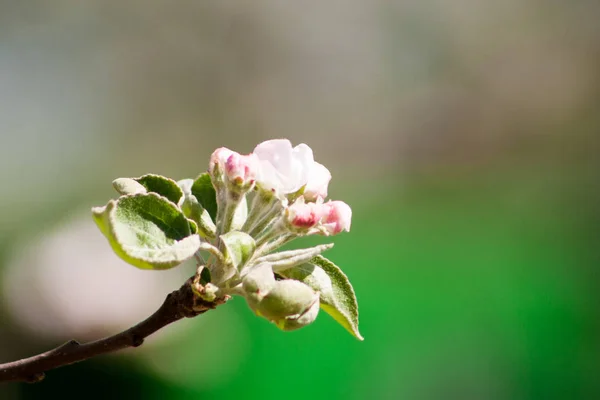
{"x":277,"y":152}
{"x":283,"y":168}
{"x":318,"y":181}
{"x":268,"y":176}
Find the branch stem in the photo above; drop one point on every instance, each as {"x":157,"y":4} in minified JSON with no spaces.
{"x":179,"y":304}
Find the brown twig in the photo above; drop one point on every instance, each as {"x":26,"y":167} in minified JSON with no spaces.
{"x":182,"y":303}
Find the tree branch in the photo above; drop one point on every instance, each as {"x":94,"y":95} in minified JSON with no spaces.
{"x":179,"y":304}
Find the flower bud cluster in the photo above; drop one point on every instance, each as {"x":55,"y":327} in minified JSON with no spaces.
{"x":280,"y":191}
{"x":328,"y":218}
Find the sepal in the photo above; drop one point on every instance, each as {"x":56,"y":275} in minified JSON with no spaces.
{"x":291,"y":258}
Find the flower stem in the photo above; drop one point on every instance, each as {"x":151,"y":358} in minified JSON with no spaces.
{"x":264,"y":207}
{"x":213,"y":251}
{"x":227,"y":211}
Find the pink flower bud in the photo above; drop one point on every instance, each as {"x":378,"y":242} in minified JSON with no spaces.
{"x":305,"y":215}
{"x":218,"y":159}
{"x":337,"y":218}
{"x":318,"y":180}
{"x":239,"y":169}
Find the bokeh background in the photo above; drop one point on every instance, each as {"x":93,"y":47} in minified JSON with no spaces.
{"x":463,"y":133}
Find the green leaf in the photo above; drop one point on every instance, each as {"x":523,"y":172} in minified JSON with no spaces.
{"x":204,"y":191}
{"x":159,"y":184}
{"x":193,"y":226}
{"x":336,"y":292}
{"x":193,"y":210}
{"x":128,"y":186}
{"x":147,"y":231}
{"x":239,"y":247}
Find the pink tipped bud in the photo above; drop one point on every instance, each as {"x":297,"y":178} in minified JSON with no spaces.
{"x":236,"y":168}
{"x":303,"y":215}
{"x":242,"y":169}
{"x":218,"y":159}
{"x":338,"y":217}
{"x":318,"y":180}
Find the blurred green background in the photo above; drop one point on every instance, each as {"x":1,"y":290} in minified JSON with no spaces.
{"x":464,"y":135}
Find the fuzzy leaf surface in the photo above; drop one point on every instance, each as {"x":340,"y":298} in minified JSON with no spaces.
{"x":147,"y":231}
{"x":204,"y":191}
{"x":162,"y":185}
{"x":336,"y":293}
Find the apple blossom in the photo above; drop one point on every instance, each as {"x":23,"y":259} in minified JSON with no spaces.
{"x":239,"y":169}
{"x":158,"y":223}
{"x":338,"y":216}
{"x":232,"y":176}
{"x":301,"y":215}
{"x":241,"y":230}
{"x":242,"y":169}
{"x":283,"y":169}
{"x":218,"y":159}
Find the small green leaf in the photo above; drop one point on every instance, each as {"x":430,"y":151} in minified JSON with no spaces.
{"x":159,"y":184}
{"x":193,"y":210}
{"x":205,"y":192}
{"x":147,"y":231}
{"x":239,"y":247}
{"x":193,"y":226}
{"x":128,"y":186}
{"x":336,"y":292}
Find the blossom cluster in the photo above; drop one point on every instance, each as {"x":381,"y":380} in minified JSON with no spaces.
{"x":280,"y":191}
{"x":285,"y":177}
{"x":233,"y":219}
